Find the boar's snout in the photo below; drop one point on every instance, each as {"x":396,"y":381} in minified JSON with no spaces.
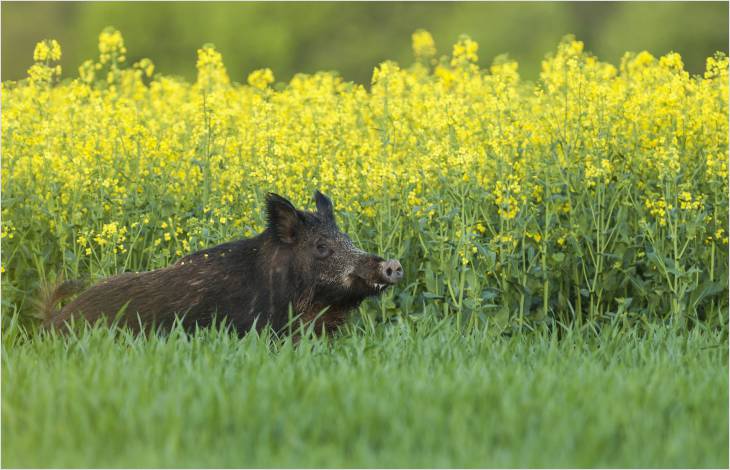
{"x":391,"y":271}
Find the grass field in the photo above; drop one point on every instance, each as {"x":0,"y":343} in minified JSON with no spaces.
{"x":564,"y":242}
{"x":415,"y":393}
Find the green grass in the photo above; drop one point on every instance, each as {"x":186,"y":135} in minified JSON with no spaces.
{"x":412,"y":393}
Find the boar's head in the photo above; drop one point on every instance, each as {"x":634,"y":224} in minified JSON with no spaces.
{"x":321,"y":259}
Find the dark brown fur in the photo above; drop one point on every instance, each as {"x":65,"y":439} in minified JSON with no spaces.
{"x":301,"y":262}
{"x":52,"y":296}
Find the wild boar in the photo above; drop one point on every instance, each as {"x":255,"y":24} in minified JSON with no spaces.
{"x":300,"y":265}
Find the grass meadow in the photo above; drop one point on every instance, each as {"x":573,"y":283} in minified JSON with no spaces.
{"x":564,"y":241}
{"x":417,"y":393}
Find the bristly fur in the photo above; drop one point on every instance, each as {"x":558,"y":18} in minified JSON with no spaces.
{"x":302,"y":261}
{"x":52,"y":295}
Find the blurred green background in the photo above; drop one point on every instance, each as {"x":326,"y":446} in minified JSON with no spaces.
{"x":354,"y":37}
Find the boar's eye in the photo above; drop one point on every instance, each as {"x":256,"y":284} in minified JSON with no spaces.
{"x":322,"y":250}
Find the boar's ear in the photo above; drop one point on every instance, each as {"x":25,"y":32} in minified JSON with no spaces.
{"x":324,"y":206}
{"x":283,"y":218}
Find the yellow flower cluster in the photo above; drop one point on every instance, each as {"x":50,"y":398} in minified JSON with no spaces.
{"x":111,"y":236}
{"x":465,"y":51}
{"x":506,"y":198}
{"x":111,"y":46}
{"x":261,"y":78}
{"x":594,"y":172}
{"x":43,"y":72}
{"x":47,"y":50}
{"x":686,"y":202}
{"x":658,"y":209}
{"x":146,"y":66}
{"x":211,"y":70}
{"x":423,"y":44}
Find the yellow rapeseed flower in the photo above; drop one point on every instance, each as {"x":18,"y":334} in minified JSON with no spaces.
{"x":261,"y":78}
{"x":464,"y":51}
{"x":47,"y":50}
{"x":423,"y":44}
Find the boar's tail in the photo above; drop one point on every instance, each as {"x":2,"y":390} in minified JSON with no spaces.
{"x":50,"y":296}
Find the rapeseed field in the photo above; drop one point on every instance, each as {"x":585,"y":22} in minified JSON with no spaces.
{"x":598,"y":192}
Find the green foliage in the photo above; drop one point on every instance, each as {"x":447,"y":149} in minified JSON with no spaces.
{"x":351,"y":37}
